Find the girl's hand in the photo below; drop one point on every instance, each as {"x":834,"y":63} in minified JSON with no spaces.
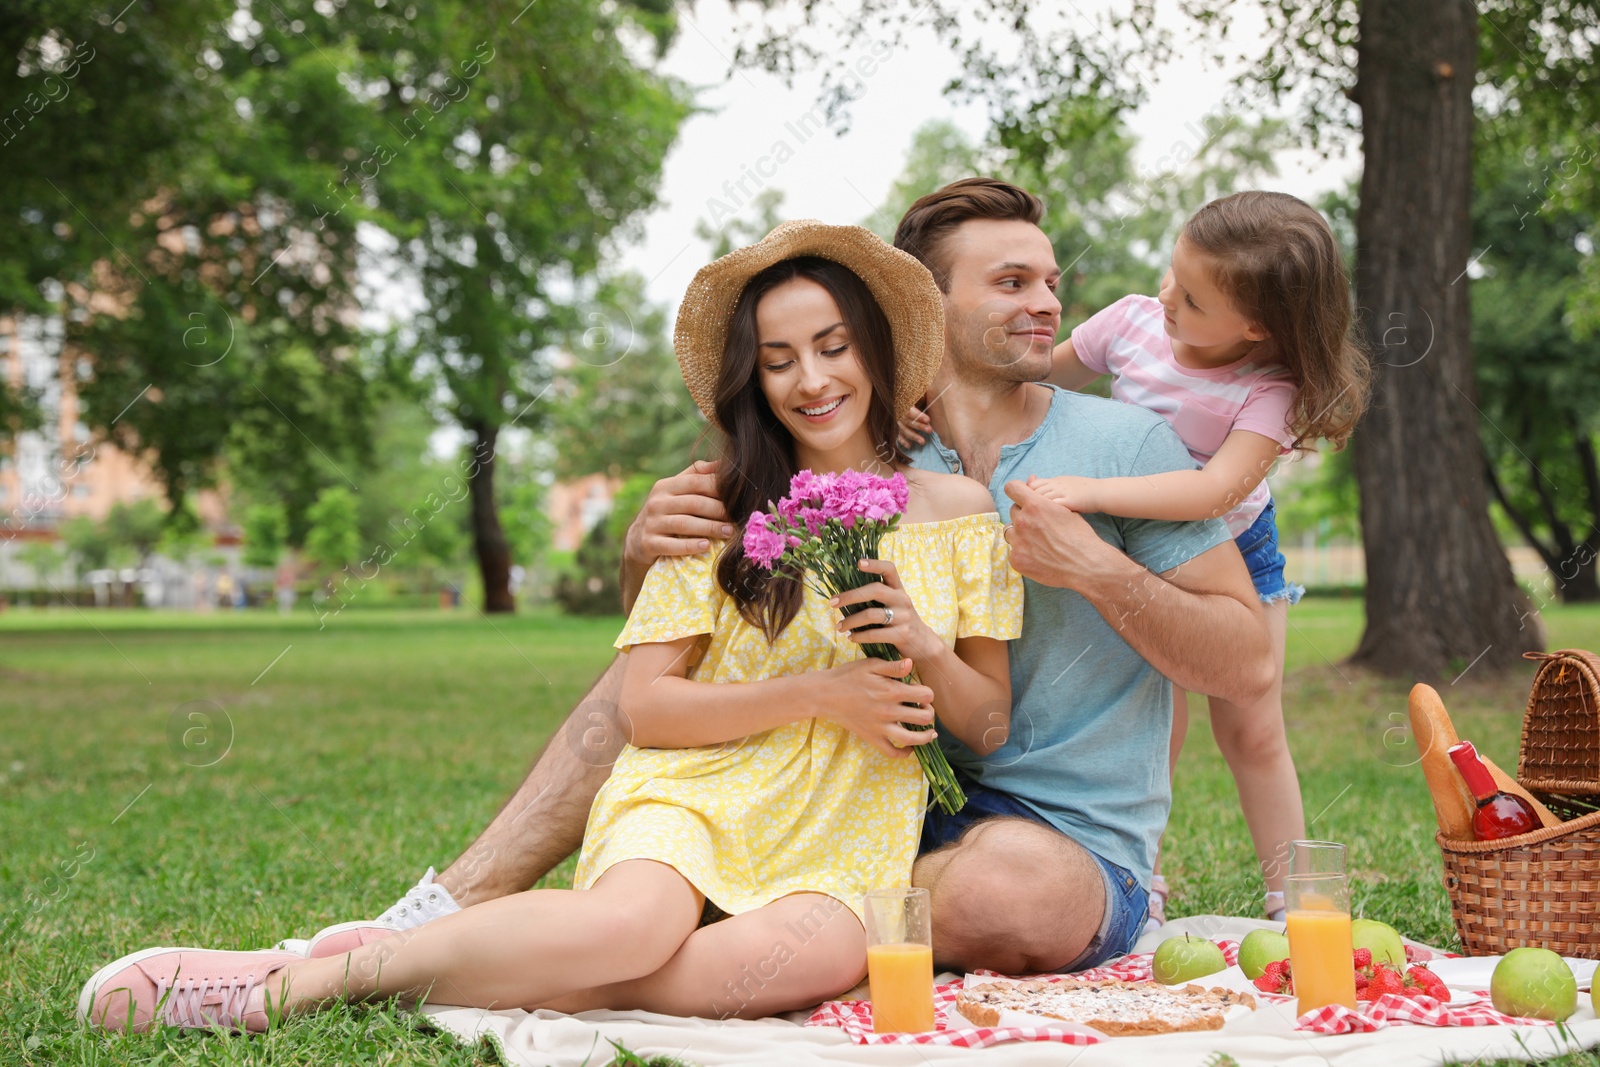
{"x":915,"y":426}
{"x":1068,"y":490}
{"x":895,"y":623}
{"x":867,"y":697}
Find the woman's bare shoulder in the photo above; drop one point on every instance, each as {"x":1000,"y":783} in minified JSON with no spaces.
{"x":936,"y":496}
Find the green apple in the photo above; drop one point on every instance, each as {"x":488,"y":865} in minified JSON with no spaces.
{"x":1594,"y":993}
{"x":1259,"y":948}
{"x":1382,"y":939}
{"x":1535,"y":983}
{"x":1183,"y":959}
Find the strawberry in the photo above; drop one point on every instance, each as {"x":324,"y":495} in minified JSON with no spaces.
{"x":1276,"y":978}
{"x":1385,"y":980}
{"x":1420,"y":980}
{"x":1362,"y":958}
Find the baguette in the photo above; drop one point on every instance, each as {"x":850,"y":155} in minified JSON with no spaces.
{"x":1433,"y":733}
{"x":1453,"y":805}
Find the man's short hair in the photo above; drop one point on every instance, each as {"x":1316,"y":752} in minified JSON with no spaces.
{"x":934,"y":217}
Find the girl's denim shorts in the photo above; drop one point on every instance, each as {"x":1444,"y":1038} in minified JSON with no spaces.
{"x":1259,"y":546}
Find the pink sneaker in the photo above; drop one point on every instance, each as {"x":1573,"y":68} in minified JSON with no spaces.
{"x":190,"y":988}
{"x":340,"y":938}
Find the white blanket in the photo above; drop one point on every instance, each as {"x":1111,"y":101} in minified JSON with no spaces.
{"x":1268,"y":1037}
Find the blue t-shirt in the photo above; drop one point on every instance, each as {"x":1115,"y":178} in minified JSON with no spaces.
{"x":1090,"y":719}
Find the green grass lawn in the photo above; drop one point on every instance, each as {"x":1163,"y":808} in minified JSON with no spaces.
{"x":230,"y":780}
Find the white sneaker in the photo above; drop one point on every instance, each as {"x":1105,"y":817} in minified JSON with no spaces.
{"x":423,"y":902}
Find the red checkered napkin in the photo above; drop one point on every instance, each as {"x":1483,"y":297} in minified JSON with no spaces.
{"x":855,"y":1016}
{"x":1392,"y":1008}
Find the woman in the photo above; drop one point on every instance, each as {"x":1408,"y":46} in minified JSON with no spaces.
{"x":768,"y":777}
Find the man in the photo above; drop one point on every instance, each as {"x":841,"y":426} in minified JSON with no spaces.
{"x":1047,"y":866}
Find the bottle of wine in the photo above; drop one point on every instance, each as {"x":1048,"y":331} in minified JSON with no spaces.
{"x":1500,"y":814}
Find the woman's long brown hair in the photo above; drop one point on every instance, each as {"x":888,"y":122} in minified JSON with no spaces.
{"x":758,"y":457}
{"x":1280,"y":265}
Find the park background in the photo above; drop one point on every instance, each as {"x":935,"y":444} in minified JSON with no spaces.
{"x":335,"y":358}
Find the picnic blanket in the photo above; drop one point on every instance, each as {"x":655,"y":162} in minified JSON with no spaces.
{"x":1394,"y":1035}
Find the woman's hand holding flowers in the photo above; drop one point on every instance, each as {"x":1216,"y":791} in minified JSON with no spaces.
{"x":894,"y":621}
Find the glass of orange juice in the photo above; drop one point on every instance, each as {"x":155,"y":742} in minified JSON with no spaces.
{"x":1317,"y":893}
{"x":900,"y":960}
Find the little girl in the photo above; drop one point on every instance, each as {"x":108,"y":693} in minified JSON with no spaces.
{"x":1247,"y":352}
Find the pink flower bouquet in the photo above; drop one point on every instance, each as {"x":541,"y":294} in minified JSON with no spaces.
{"x":820,"y":532}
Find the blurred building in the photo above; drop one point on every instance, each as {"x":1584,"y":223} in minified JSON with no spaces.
{"x":578,"y":506}
{"x":60,"y":472}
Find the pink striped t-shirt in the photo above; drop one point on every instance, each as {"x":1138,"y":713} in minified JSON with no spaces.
{"x":1129,"y":341}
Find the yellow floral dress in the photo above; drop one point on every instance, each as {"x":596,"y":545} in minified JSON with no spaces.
{"x":806,"y":807}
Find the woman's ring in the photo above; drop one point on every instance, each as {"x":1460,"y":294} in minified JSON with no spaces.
{"x":1005,"y":534}
{"x":888,"y":616}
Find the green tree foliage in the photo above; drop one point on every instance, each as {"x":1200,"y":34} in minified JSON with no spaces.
{"x":266,"y":535}
{"x":213,"y":283}
{"x":593,"y":585}
{"x":533,"y":148}
{"x":528,"y":526}
{"x":128,"y":535}
{"x":173,"y":226}
{"x":1538,"y":379}
{"x":43,"y":559}
{"x":1539,"y":58}
{"x":334,"y":540}
{"x":620,"y":407}
{"x":92,"y":113}
{"x":1322,"y":499}
{"x":765,"y":213}
{"x":88,"y":542}
{"x":138,"y":527}
{"x":413,"y":501}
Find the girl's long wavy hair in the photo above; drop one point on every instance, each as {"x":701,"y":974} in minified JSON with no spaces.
{"x":1280,"y":264}
{"x":758,"y":452}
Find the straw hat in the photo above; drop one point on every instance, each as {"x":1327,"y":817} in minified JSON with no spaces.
{"x":900,"y":284}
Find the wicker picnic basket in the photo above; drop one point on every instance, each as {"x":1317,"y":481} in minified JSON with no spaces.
{"x":1560,"y":752}
{"x":1543,"y":887}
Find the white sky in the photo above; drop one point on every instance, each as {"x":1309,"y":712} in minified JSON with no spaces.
{"x":844,"y":178}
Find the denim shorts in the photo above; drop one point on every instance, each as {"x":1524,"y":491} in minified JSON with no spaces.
{"x":1127,"y":902}
{"x":1259,"y":547}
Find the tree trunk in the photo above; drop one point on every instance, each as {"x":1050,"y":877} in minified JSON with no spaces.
{"x":488,"y":538}
{"x":1440,"y":595}
{"x":1577,"y":581}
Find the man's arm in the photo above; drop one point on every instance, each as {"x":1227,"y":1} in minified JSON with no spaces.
{"x":679,"y":518}
{"x":1200,"y":624}
{"x":542,"y":823}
